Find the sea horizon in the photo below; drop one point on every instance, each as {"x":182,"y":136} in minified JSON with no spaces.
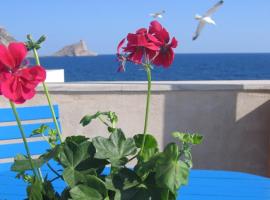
{"x":113,"y":54}
{"x":187,"y":66}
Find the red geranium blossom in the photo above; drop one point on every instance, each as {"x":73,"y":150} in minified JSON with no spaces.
{"x":139,"y":44}
{"x":152,"y":45}
{"x":17,"y":81}
{"x":165,"y":56}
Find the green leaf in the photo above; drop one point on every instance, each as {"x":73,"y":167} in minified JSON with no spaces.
{"x":171,"y":173}
{"x":75,"y":150}
{"x":53,"y":137}
{"x":116,"y":148}
{"x":110,"y":117}
{"x":40,"y":130}
{"x":83,"y":192}
{"x":72,"y":177}
{"x":123,"y":180}
{"x":135,"y":193}
{"x":65,"y":194}
{"x":150,"y":146}
{"x":77,"y":157}
{"x":95,"y":183}
{"x":92,"y":166}
{"x":34,"y":191}
{"x":21,"y":163}
{"x":126,"y":185}
{"x":142,"y":169}
{"x":48,"y":191}
{"x":88,"y":118}
{"x":51,"y":153}
{"x":188,"y":138}
{"x":150,"y":141}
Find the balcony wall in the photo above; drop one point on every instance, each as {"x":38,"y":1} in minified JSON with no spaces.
{"x":233,"y":116}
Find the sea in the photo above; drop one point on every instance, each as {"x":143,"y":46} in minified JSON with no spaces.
{"x":254,"y":66}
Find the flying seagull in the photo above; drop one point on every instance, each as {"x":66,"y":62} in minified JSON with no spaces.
{"x":157,"y":14}
{"x":206,"y":19}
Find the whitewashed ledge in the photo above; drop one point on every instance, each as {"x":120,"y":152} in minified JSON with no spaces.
{"x":115,"y":86}
{"x":233,"y":116}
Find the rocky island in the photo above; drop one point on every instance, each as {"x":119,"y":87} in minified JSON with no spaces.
{"x":77,"y":49}
{"x":5,"y":37}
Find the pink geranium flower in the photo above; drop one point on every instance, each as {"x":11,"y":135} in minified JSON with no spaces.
{"x":17,"y":81}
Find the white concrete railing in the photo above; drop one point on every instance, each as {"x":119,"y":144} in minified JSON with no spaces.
{"x":55,"y":76}
{"x":233,"y":116}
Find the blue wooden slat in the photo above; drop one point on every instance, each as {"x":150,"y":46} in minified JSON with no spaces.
{"x":217,"y":174}
{"x":28,"y":113}
{"x":9,"y":184}
{"x":11,"y":150}
{"x":191,"y":192}
{"x":13,"y":132}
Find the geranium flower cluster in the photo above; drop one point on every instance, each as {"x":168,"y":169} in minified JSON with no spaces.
{"x":152,"y":46}
{"x":18,"y":80}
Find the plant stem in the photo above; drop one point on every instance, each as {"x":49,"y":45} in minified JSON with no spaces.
{"x":49,"y":99}
{"x":23,"y":137}
{"x":54,"y":171}
{"x":148,"y":71}
{"x":103,"y":121}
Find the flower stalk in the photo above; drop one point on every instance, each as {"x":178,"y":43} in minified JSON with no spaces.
{"x":148,"y":71}
{"x":24,"y":139}
{"x":48,"y":98}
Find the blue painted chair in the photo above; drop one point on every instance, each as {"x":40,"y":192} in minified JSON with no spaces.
{"x":11,"y":144}
{"x":203,"y":184}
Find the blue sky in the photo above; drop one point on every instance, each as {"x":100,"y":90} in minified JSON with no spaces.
{"x":242,"y":25}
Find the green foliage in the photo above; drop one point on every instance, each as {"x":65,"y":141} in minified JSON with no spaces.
{"x":188,"y":138}
{"x":157,"y":174}
{"x":52,"y":138}
{"x":38,"y":190}
{"x":21,"y":163}
{"x":150,"y":148}
{"x":171,"y":173}
{"x":116,"y":148}
{"x":31,"y":44}
{"x":110,"y":119}
{"x":83,"y":192}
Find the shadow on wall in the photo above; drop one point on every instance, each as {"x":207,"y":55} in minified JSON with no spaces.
{"x":229,"y":144}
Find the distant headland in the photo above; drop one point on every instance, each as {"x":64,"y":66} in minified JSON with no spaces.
{"x":5,"y":37}
{"x":77,"y":49}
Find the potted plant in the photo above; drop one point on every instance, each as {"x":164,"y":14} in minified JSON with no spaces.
{"x":96,"y":168}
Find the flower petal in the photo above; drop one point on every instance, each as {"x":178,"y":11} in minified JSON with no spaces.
{"x":174,"y":43}
{"x":18,"y":51}
{"x":5,"y":57}
{"x":141,"y":31}
{"x":164,"y":59}
{"x":155,"y":26}
{"x":159,"y":32}
{"x":120,"y":45}
{"x":32,"y":76}
{"x":136,"y":56}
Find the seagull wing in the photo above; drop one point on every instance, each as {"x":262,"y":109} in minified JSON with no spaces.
{"x":214,"y":8}
{"x":198,"y":30}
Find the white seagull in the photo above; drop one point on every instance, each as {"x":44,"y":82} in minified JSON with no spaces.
{"x":157,"y":14}
{"x":206,"y":19}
